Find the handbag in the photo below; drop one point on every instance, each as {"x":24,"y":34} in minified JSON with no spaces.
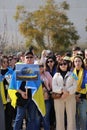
{"x":55,"y":95}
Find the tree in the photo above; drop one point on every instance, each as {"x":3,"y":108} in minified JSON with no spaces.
{"x":47,"y":27}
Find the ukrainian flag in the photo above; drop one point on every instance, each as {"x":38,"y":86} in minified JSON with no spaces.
{"x":36,"y":89}
{"x":37,"y":94}
{"x":2,"y":92}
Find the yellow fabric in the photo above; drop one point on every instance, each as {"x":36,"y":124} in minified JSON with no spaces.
{"x":36,"y":97}
{"x":39,"y":100}
{"x":12,"y":96}
{"x":79,"y":81}
{"x":2,"y":92}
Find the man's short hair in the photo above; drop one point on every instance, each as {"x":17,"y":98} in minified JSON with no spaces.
{"x":76,"y":48}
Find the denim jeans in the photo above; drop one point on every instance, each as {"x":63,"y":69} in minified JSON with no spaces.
{"x":32,"y":115}
{"x":81,"y":117}
{"x":46,"y":118}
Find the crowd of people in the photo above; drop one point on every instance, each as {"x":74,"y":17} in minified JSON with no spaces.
{"x":63,"y":79}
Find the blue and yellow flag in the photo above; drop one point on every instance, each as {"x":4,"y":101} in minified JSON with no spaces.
{"x":2,"y":92}
{"x":34,"y":84}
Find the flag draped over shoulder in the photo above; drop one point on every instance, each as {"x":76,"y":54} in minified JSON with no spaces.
{"x":2,"y":92}
{"x":82,"y":80}
{"x":13,"y":97}
{"x":36,"y":89}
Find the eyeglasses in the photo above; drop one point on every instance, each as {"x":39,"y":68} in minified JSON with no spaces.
{"x":15,"y":58}
{"x":29,"y":57}
{"x":63,"y":64}
{"x":50,"y":61}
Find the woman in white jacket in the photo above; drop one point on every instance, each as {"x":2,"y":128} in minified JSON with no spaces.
{"x":64,"y":83}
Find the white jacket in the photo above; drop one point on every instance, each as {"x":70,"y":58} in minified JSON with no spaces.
{"x":69,"y":83}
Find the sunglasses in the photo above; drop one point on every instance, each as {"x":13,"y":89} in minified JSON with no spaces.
{"x":9,"y":59}
{"x":41,"y":66}
{"x":29,"y":57}
{"x":50,"y":61}
{"x":63,"y":64}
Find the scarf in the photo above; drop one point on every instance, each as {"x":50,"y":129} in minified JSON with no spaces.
{"x":84,"y":83}
{"x":80,"y":79}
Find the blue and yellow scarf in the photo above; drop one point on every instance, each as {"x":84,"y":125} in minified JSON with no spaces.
{"x":82,"y":80}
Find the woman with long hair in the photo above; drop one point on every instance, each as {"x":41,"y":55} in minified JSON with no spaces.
{"x":81,"y":92}
{"x":64,"y":86}
{"x":46,"y":79}
{"x":51,"y":67}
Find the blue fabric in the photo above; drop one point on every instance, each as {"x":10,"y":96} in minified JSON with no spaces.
{"x":74,"y":76}
{"x":14,"y":84}
{"x":84,"y":82}
{"x":1,"y":77}
{"x":33,"y":84}
{"x":9,"y":72}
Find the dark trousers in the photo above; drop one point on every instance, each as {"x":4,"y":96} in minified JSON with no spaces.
{"x":9,"y":115}
{"x":2,"y":122}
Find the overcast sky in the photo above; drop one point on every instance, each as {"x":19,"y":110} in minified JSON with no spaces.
{"x":77,"y":14}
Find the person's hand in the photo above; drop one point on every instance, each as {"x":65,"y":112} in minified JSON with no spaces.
{"x":65,"y":94}
{"x":24,"y":95}
{"x":78,"y":98}
{"x":44,"y":53}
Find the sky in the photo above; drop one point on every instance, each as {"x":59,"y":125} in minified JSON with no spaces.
{"x":77,"y":14}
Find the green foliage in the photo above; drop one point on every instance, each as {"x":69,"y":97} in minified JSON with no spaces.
{"x":47,"y":27}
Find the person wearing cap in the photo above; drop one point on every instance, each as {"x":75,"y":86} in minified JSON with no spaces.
{"x":20,"y":57}
{"x":67,"y":58}
{"x":26,"y":104}
{"x":81,"y":92}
